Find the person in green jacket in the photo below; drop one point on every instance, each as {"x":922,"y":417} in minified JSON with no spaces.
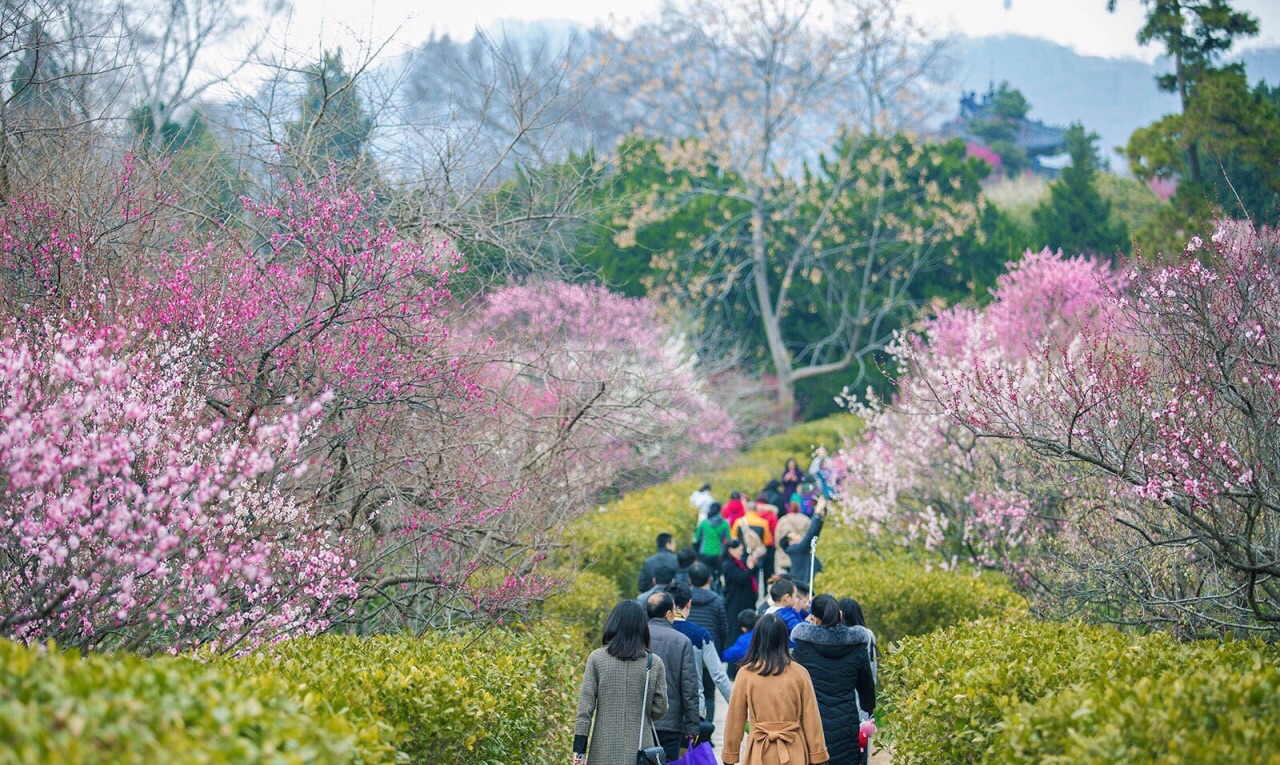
{"x":711,"y":536}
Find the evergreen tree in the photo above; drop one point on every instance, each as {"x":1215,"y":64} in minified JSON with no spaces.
{"x":333,"y":126}
{"x":1075,"y":218}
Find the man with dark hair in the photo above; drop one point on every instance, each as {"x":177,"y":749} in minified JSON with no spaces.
{"x":664,"y":576}
{"x":707,"y":611}
{"x":684,"y":559}
{"x":676,"y":651}
{"x":706,"y":658}
{"x":665,"y":556}
{"x":708,"y":606}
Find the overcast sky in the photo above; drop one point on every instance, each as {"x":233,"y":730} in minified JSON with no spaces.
{"x":1083,"y":25}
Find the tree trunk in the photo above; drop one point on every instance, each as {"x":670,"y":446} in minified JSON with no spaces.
{"x":770,"y":314}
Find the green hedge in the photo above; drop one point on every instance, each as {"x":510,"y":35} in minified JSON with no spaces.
{"x":1023,"y":691}
{"x":1207,"y":702}
{"x":901,"y":597}
{"x":498,"y":696}
{"x":57,"y":707}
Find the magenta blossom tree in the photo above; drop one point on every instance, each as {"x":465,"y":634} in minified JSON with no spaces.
{"x":130,"y":519}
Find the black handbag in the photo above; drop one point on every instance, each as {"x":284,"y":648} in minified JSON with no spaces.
{"x":654,"y":755}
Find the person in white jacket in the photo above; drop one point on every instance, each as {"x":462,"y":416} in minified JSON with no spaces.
{"x":701,"y":500}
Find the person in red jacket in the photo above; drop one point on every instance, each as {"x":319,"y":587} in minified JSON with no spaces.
{"x":733,"y":509}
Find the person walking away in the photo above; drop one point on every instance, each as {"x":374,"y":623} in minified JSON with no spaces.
{"x":706,"y":659}
{"x":735,"y":653}
{"x":665,"y":556}
{"x":710,"y":537}
{"x":794,"y":525}
{"x":685,"y":558}
{"x":680,"y":723}
{"x":851,"y":615}
{"x":613,"y":698}
{"x":755,"y":532}
{"x":804,"y":562}
{"x":775,"y":696}
{"x":664,"y":576}
{"x":739,"y":570}
{"x":836,"y":657}
{"x":733,"y":509}
{"x":708,"y":606}
{"x":792,"y":475}
{"x":701,"y":500}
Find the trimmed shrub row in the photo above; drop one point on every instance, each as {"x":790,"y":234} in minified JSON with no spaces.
{"x":901,"y":597}
{"x":498,"y":696}
{"x":1022,"y":691}
{"x":57,"y":707}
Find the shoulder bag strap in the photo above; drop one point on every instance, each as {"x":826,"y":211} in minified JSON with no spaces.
{"x":644,"y":702}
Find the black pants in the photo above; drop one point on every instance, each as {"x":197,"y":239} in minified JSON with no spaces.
{"x":709,"y":693}
{"x":671,"y":741}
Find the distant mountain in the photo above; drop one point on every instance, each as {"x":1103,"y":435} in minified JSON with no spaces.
{"x":1109,"y":96}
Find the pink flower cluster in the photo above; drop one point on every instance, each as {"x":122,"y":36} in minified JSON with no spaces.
{"x":130,"y":519}
{"x":920,"y":474}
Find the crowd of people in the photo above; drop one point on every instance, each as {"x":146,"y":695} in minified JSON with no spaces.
{"x":734,"y":614}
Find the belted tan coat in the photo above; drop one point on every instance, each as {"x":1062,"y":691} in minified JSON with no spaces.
{"x":786,"y":728}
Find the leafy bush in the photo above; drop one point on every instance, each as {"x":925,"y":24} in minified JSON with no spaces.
{"x":800,"y":441}
{"x":497,"y":696}
{"x":585,"y":603}
{"x":948,"y":691}
{"x":1160,"y":703}
{"x":900,"y":596}
{"x":58,"y":707}
{"x":1023,"y":691}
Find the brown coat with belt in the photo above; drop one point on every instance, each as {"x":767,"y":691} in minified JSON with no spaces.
{"x":786,"y":728}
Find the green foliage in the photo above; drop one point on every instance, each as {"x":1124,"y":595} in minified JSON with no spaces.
{"x":1158,"y":703}
{"x":585,"y":602}
{"x":1076,"y":218}
{"x":948,"y":691}
{"x":999,"y":130}
{"x":1132,"y":201}
{"x":1023,"y":691}
{"x":56,"y":707}
{"x":497,"y":696}
{"x":900,"y":596}
{"x":333,"y":126}
{"x":1017,"y":197}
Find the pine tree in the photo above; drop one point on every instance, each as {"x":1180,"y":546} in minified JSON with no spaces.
{"x":1075,"y":217}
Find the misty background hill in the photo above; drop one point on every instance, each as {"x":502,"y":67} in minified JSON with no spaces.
{"x":1109,"y":96}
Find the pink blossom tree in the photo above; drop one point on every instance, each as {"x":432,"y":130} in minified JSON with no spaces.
{"x":130,"y":519}
{"x":1174,"y":401}
{"x":599,"y":387}
{"x":438,"y":459}
{"x":918,"y":476}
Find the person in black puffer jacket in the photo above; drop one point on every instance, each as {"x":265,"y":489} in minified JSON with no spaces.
{"x":837,"y":659}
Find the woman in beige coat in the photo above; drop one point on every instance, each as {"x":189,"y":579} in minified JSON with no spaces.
{"x":613,"y":698}
{"x":776,"y":696}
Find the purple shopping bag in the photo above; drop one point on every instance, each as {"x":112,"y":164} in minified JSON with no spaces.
{"x":702,"y":754}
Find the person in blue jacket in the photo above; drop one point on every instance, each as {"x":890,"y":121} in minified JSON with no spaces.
{"x":738,"y":651}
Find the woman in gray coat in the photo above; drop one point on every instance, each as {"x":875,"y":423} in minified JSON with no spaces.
{"x":613,"y":692}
